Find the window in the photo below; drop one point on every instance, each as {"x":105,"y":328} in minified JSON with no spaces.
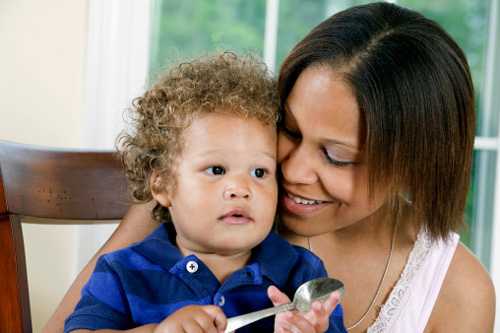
{"x":184,"y":29}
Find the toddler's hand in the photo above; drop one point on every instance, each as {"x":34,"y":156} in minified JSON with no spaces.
{"x":314,"y":321}
{"x":194,"y":319}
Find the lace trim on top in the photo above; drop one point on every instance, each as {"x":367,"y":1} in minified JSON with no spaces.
{"x":397,"y":297}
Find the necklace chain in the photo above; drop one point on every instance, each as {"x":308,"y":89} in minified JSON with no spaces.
{"x":381,"y":282}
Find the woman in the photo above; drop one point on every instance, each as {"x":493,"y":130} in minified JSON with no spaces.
{"x":375,"y":148}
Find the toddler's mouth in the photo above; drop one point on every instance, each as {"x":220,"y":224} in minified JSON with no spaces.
{"x":236,"y":217}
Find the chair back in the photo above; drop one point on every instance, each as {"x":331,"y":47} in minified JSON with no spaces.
{"x":55,"y":186}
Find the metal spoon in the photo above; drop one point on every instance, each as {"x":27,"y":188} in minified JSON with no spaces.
{"x":309,"y":292}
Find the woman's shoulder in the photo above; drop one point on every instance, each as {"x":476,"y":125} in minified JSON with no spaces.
{"x":466,"y":302}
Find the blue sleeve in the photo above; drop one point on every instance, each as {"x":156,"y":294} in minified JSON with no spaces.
{"x":311,"y":267}
{"x":337,"y":321}
{"x":103,"y":304}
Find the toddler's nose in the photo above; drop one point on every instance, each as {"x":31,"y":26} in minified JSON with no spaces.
{"x":236,"y":192}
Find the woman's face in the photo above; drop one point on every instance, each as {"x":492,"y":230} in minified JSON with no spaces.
{"x":325,"y":180}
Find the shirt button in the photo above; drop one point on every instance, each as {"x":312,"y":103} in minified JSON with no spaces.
{"x":192,"y":266}
{"x":222,"y":301}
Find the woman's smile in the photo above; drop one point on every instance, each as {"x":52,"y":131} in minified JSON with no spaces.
{"x":300,"y":205}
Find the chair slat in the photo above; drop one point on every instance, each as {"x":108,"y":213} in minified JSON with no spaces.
{"x":63,"y":184}
{"x":15,"y":316}
{"x":69,"y":186}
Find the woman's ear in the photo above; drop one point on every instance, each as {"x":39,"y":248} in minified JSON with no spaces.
{"x":159,"y":189}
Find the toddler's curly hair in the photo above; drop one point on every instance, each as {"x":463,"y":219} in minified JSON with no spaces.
{"x":224,"y":82}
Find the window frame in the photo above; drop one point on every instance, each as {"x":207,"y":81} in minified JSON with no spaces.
{"x":491,"y":104}
{"x":117,"y":63}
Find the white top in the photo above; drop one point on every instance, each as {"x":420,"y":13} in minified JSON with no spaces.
{"x":412,"y":299}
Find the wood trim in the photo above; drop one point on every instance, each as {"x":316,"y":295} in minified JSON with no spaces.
{"x":48,"y":185}
{"x":63,"y":184}
{"x":3,"y":201}
{"x":15,"y":316}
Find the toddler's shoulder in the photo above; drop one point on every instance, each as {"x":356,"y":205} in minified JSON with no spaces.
{"x":306,"y":254}
{"x":309,"y":262}
{"x":130,"y":258}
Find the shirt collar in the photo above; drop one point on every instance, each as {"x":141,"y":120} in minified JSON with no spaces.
{"x":158,"y":248}
{"x":275,"y":256}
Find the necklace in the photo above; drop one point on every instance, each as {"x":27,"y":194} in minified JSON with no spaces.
{"x":381,"y":282}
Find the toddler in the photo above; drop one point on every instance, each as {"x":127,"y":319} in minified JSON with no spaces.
{"x":203,"y":146}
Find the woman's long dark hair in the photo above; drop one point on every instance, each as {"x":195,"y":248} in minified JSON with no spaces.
{"x":415,"y":95}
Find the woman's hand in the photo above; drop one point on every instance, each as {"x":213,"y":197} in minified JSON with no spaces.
{"x":194,"y":319}
{"x":314,"y":321}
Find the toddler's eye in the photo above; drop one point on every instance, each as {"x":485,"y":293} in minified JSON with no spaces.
{"x":258,"y":172}
{"x":216,"y":170}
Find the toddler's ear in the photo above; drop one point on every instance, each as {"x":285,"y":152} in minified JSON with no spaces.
{"x":159,"y":189}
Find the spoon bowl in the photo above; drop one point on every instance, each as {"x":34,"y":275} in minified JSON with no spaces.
{"x":307,"y":293}
{"x":315,"y":290}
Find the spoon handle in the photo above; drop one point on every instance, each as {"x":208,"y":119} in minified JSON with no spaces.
{"x":234,"y":323}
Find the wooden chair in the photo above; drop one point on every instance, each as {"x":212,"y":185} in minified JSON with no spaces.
{"x":56,"y":186}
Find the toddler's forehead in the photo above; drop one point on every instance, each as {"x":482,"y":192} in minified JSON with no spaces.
{"x":221,"y":115}
{"x":223,"y":131}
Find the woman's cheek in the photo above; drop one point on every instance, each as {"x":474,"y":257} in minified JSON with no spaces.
{"x":341,"y":185}
{"x":285,"y":147}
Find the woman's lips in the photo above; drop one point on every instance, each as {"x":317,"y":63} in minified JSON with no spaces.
{"x":301,"y":206}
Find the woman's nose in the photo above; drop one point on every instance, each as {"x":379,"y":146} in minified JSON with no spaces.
{"x":297,"y":166}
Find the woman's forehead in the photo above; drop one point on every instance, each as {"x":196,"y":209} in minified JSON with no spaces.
{"x":321,"y":102}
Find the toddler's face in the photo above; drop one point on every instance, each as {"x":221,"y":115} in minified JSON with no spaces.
{"x":225,"y":196}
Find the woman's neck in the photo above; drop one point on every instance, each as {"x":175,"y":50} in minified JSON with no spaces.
{"x":373,"y":231}
{"x":365,"y":239}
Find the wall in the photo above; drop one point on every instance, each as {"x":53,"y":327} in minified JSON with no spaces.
{"x":42,"y":57}
{"x":49,"y":97}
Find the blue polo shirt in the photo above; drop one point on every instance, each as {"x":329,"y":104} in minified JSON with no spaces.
{"x":148,"y":281}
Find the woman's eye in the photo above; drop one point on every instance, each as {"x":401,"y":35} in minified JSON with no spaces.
{"x":216,"y":170}
{"x":258,"y":172}
{"x":335,"y":161}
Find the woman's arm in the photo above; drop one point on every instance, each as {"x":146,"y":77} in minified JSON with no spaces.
{"x":135,"y":226}
{"x":466,"y":302}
